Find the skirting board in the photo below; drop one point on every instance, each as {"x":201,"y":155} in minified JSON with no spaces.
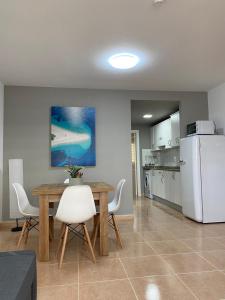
{"x":168,"y":203}
{"x":11,"y":223}
{"x":124,"y":217}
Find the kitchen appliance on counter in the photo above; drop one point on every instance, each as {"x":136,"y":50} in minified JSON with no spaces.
{"x":201,"y":127}
{"x":147,"y":184}
{"x":202,"y":165}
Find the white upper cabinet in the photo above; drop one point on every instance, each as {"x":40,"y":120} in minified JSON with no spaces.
{"x":175,"y":129}
{"x":152,"y":138}
{"x":158,"y":135}
{"x":167,"y":133}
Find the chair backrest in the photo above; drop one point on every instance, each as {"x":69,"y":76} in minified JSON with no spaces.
{"x":66,"y":181}
{"x":76,"y":205}
{"x":118,"y":193}
{"x":22,"y":199}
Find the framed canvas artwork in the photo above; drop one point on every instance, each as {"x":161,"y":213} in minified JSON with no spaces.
{"x":72,"y":136}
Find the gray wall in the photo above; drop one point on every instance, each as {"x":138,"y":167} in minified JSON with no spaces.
{"x":144,"y":143}
{"x":216,"y":101}
{"x":26,"y":131}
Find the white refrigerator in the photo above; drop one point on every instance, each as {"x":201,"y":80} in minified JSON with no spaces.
{"x":202,"y":159}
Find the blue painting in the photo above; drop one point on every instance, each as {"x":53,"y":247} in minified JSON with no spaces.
{"x":72,"y":136}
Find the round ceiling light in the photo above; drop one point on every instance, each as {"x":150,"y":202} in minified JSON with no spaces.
{"x":147,"y":116}
{"x":123,"y":60}
{"x":158,"y":1}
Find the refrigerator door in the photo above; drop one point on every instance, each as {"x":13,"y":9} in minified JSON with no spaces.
{"x":212,"y":150}
{"x":191,"y":178}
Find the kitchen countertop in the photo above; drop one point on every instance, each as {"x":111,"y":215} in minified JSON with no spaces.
{"x":165,"y":168}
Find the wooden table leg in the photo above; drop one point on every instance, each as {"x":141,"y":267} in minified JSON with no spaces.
{"x":43,"y":228}
{"x":103,"y":204}
{"x":51,"y":221}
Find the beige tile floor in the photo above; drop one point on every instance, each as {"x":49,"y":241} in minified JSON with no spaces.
{"x":165,"y":256}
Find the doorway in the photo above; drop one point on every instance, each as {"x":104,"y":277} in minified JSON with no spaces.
{"x":135,"y":158}
{"x":154,"y":144}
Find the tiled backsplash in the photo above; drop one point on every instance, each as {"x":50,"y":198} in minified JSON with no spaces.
{"x":167,"y":157}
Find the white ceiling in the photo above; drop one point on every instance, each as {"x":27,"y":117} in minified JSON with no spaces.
{"x":66,"y":43}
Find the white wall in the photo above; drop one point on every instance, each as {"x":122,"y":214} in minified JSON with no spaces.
{"x":1,"y":143}
{"x":216,"y":101}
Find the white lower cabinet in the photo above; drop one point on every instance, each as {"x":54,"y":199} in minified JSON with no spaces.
{"x":177,"y":188}
{"x":158,"y":184}
{"x":166,"y":185}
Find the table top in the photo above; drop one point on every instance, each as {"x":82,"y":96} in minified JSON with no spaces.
{"x":58,"y":188}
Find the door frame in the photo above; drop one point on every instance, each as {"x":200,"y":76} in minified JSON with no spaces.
{"x":138,"y":164}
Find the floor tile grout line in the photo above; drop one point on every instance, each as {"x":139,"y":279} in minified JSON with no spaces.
{"x":212,"y":265}
{"x":55,"y":285}
{"x":102,"y":281}
{"x":122,"y":279}
{"x":204,"y":238}
{"x":186,"y":286}
{"x":152,"y":248}
{"x":128,"y":279}
{"x":179,"y":253}
{"x":214,"y":268}
{"x":163,"y":259}
{"x":186,"y":245}
{"x":197,"y":272}
{"x":138,"y":277}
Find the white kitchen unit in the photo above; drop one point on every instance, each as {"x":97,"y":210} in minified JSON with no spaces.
{"x":152,"y":138}
{"x":166,"y":185}
{"x":175,"y":129}
{"x":153,"y":182}
{"x":158,"y":134}
{"x":166,"y":133}
{"x":161,"y":134}
{"x":175,"y":195}
{"x":159,"y":184}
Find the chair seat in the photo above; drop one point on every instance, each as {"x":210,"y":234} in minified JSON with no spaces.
{"x":32,"y":211}
{"x":112,"y":207}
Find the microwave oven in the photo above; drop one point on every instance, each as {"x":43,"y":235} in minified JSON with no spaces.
{"x":201,"y":127}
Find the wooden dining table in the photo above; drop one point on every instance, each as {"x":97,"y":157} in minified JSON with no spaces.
{"x":50,"y":193}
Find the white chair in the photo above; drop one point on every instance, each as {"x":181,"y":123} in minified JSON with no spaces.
{"x":113,"y":207}
{"x":76,"y":206}
{"x":29,"y":212}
